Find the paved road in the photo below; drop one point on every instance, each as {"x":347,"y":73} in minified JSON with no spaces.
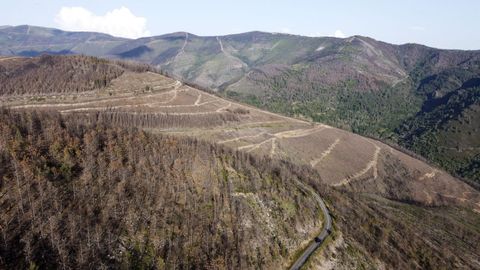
{"x":327,"y":228}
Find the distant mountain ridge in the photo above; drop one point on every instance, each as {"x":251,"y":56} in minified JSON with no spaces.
{"x":423,"y":98}
{"x":28,"y":40}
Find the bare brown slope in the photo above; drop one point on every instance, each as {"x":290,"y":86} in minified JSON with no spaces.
{"x":360,"y":84}
{"x":355,"y":166}
{"x":342,"y":159}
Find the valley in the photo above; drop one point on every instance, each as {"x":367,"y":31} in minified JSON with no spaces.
{"x":410,"y":95}
{"x":260,"y":163}
{"x":163,"y":105}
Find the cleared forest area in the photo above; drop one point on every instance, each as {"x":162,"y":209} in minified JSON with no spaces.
{"x":145,"y":171}
{"x":90,"y":195}
{"x":145,"y":99}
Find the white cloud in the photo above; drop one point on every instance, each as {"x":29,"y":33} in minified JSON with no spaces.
{"x":339,"y":34}
{"x":119,"y":22}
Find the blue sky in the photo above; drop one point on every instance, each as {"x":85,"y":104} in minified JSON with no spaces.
{"x":441,"y":23}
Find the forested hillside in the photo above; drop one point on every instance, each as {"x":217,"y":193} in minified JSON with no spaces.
{"x":93,"y":196}
{"x":357,"y":83}
{"x":376,"y":233}
{"x":446,"y":130}
{"x":53,"y":74}
{"x":102,"y":185}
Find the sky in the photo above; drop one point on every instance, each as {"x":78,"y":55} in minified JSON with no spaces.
{"x":448,"y":24}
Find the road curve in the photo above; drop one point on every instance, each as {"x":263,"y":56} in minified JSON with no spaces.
{"x":317,"y":242}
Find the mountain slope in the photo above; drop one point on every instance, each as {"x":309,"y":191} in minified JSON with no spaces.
{"x":95,"y":199}
{"x":446,"y":128}
{"x":26,"y":40}
{"x":86,"y":188}
{"x":359,"y":84}
{"x":47,"y":74}
{"x":218,"y":207}
{"x":160,"y":104}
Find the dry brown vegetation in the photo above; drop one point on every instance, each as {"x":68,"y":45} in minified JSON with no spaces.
{"x":377,"y":233}
{"x":79,"y":195}
{"x":59,"y":74}
{"x":92,"y":196}
{"x":161,"y":104}
{"x":85,"y":188}
{"x":155,"y":120}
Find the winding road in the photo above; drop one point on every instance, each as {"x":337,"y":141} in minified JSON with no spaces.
{"x":327,"y":229}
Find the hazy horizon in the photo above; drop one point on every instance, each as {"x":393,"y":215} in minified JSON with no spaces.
{"x":441,"y":24}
